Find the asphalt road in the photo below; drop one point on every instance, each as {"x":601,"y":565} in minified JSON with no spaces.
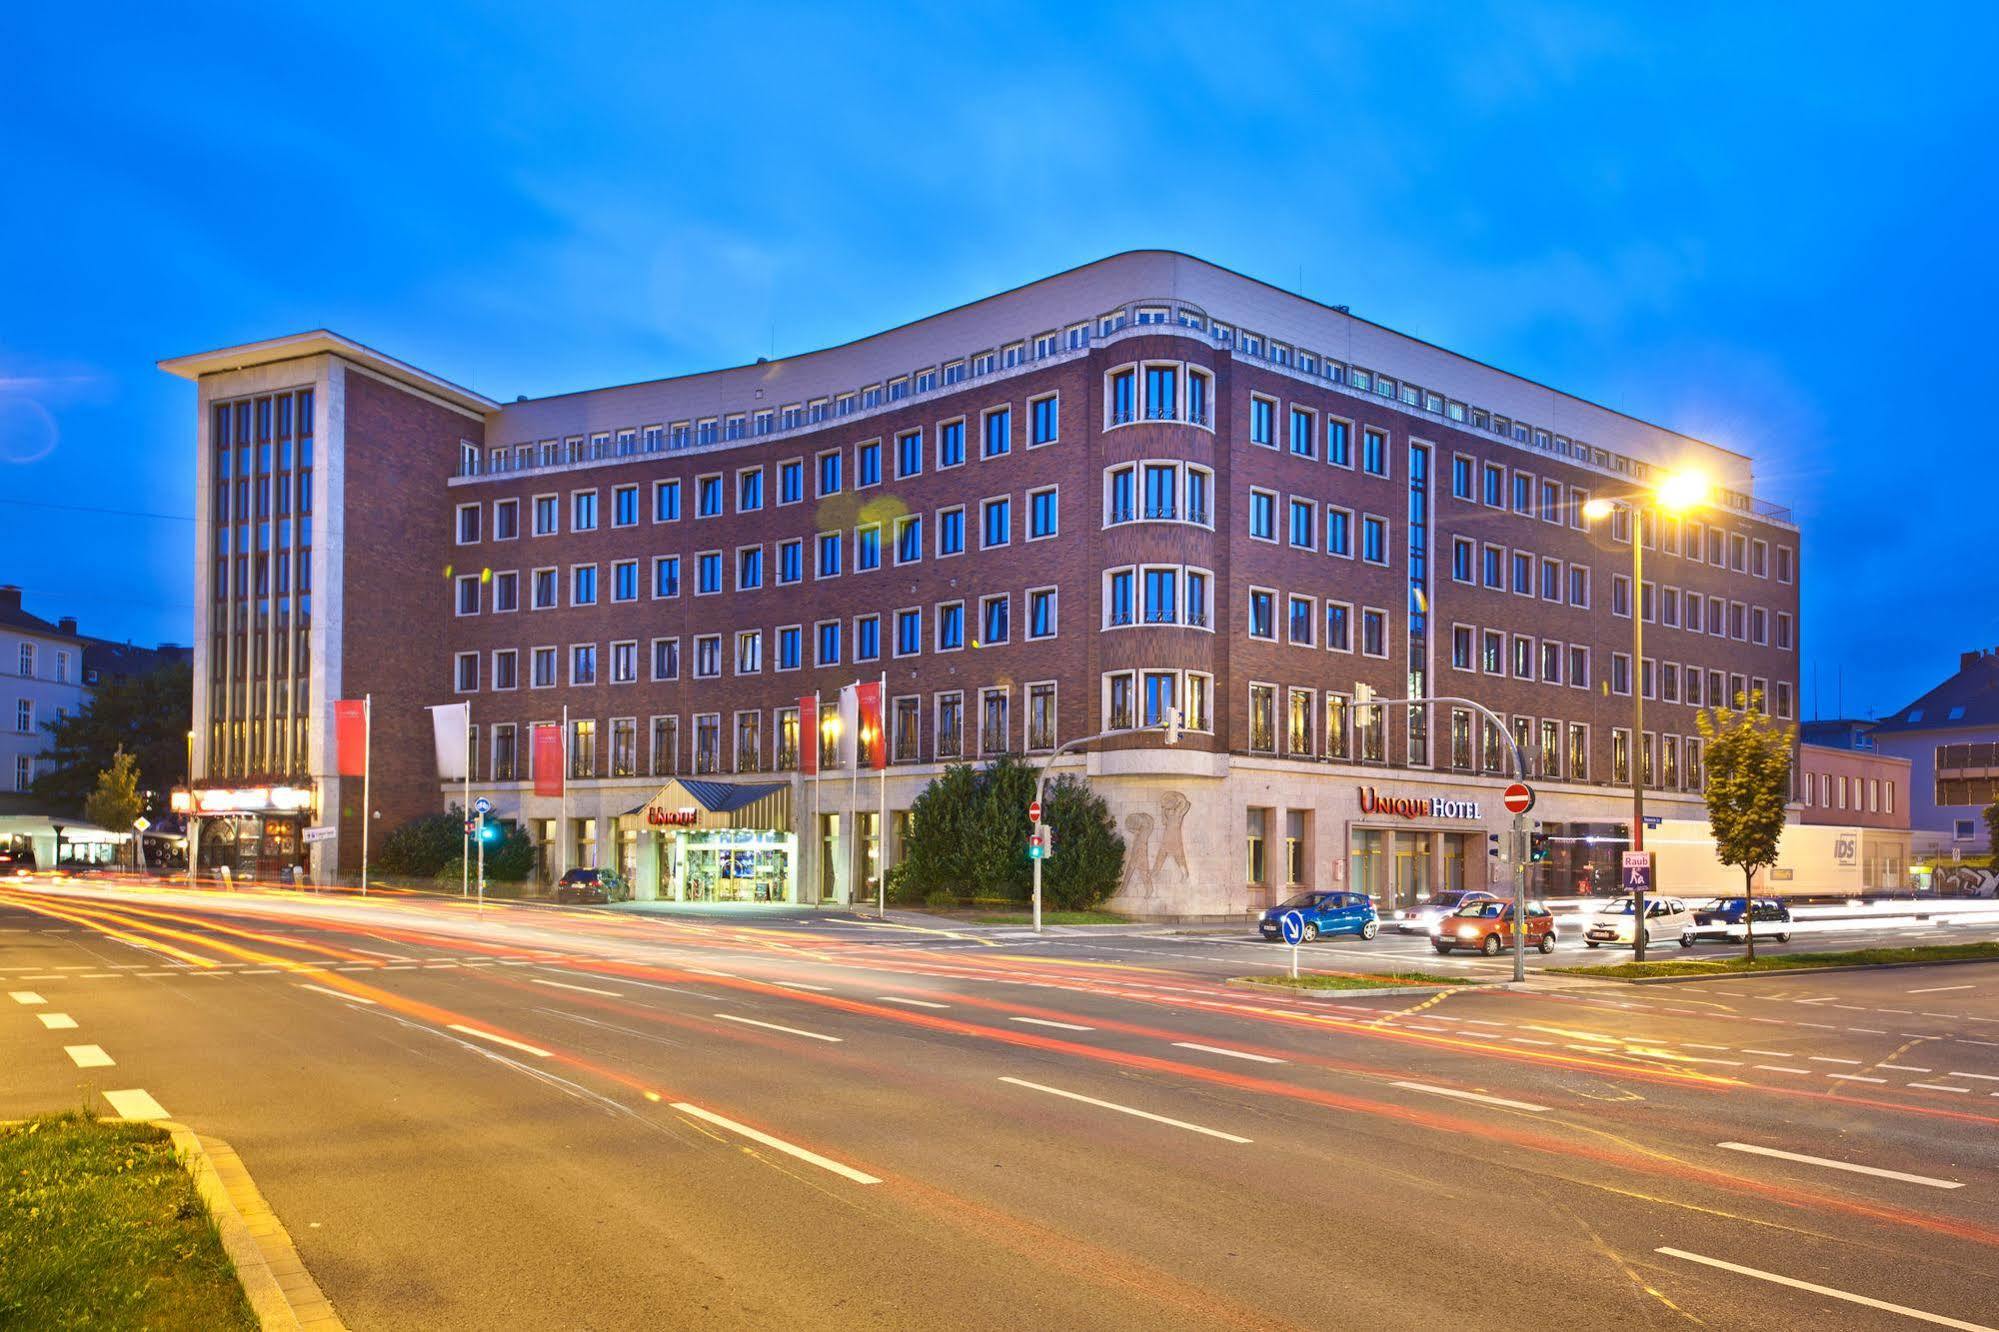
{"x":531,"y":1118}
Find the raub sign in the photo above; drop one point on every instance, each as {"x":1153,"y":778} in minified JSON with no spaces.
{"x":1416,"y":807}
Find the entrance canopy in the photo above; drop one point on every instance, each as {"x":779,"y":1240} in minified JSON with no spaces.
{"x":711,"y":805}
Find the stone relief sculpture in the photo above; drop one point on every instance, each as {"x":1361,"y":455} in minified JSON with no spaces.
{"x":1173,"y":807}
{"x":1137,"y":856}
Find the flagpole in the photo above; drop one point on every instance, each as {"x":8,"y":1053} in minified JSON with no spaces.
{"x":562,"y":833}
{"x":881,"y":827}
{"x":465,"y":839}
{"x":367,"y":765}
{"x":856,"y":864}
{"x":818,"y":842}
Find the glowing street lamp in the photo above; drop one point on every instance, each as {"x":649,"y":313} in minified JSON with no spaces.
{"x":1678,"y":493}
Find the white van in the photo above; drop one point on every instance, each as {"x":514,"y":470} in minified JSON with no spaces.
{"x":1666,"y":919}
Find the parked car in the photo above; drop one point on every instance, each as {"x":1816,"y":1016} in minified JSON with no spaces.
{"x":1719,"y":918}
{"x":1324,"y":913}
{"x":1666,"y":918}
{"x":583,"y":885}
{"x":1423,"y":917}
{"x":1487,"y":925}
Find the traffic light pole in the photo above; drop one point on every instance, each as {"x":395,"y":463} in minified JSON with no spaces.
{"x":1039,"y":835}
{"x":482,"y":860}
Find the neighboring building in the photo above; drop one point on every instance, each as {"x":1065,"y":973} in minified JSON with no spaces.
{"x":1865,"y":797}
{"x":107,"y":662}
{"x":1838,"y":733}
{"x":1144,"y":483}
{"x":1951,"y":738}
{"x":43,"y":660}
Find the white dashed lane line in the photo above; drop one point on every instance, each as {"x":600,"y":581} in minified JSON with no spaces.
{"x":135,"y":1103}
{"x":913,"y":1003}
{"x":25,"y":997}
{"x":88,"y":1056}
{"x":1125,"y":1110}
{"x":772,"y":1026}
{"x":511,"y":1044}
{"x":1047,"y":1022}
{"x":1848,"y":1296}
{"x":1231,"y":1054}
{"x":57,"y":1021}
{"x":777,"y":1144}
{"x":1876,"y":1171}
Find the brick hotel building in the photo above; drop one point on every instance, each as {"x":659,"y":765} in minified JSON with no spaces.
{"x":1142,"y":483}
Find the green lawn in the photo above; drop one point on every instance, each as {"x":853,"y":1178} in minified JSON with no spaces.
{"x":1047,"y":917}
{"x":100,"y":1227}
{"x":1736,"y":963}
{"x":1350,"y":980}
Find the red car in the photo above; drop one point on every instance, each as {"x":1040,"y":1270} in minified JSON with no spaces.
{"x":1488,"y":926}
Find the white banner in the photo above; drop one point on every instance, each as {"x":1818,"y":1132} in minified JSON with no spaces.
{"x":850,"y":723}
{"x":448,"y":723}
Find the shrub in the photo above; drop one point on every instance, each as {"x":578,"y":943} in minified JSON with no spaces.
{"x":428,"y":846}
{"x":940,"y":898}
{"x":968,"y":835}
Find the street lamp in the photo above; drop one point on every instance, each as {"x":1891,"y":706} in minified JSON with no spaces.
{"x":1676,"y":494}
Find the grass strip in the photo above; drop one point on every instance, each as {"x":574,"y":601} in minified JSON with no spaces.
{"x":1736,"y":965}
{"x":101,"y":1227}
{"x":1047,"y":917}
{"x":1354,"y":980}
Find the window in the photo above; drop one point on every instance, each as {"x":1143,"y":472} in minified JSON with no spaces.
{"x":1620,"y":595}
{"x":1494,"y":494}
{"x":1464,"y":560}
{"x":1523,"y":573}
{"x":867,"y":638}
{"x":790,"y":647}
{"x":1262,"y":613}
{"x":1263,"y":718}
{"x":1339,"y":531}
{"x":909,"y":538}
{"x":1197,"y":598}
{"x":749,"y":490}
{"x":468,"y":594}
{"x":995,"y":726}
{"x":1463,"y":647}
{"x":1492,"y":652}
{"x":829,"y":472}
{"x":1523,"y":657}
{"x":951,"y":443}
{"x":708,"y":573}
{"x":1301,"y":523}
{"x":951,"y":626}
{"x":507,"y":669}
{"x":1339,"y":626}
{"x":1620,"y":673}
{"x":583,"y":664}
{"x":1162,"y":595}
{"x":749,"y":568}
{"x":1117,"y":598}
{"x":583,"y":585}
{"x":909,"y":454}
{"x":1162,"y":392}
{"x":995,"y":522}
{"x":1579,"y":577}
{"x":1551,"y":579}
{"x":1523,"y":494}
{"x":791,"y":481}
{"x":1043,"y":516}
{"x":951,"y":531}
{"x":827,"y":638}
{"x":1162,"y":485}
{"x":998,"y":433}
{"x":582,"y":749}
{"x":950,"y":725}
{"x":995,"y":620}
{"x":625,"y":580}
{"x":1044,"y":421}
{"x":1041,"y":716}
{"x":625,"y":662}
{"x":665,"y":501}
{"x":1339,"y":442}
{"x":1304,"y":442}
{"x":544,"y":666}
{"x":1373,"y":633}
{"x":1199,"y":482}
{"x":708,"y":496}
{"x":1301,"y":612}
{"x":791,"y":561}
{"x":908,"y":632}
{"x":1262,"y":416}
{"x":547,"y":515}
{"x":1262,"y":515}
{"x":827,"y":561}
{"x":1374,"y":539}
{"x":1374,"y":452}
{"x":468,"y":524}
{"x":1041,"y":612}
{"x":868,"y":464}
{"x":583,"y":511}
{"x":1462,"y":472}
{"x":1579,"y":668}
{"x":506,"y":519}
{"x":465,"y":676}
{"x":1492,"y":567}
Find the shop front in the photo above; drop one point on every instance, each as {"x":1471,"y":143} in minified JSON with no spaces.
{"x":699,"y":841}
{"x":1406,"y":847}
{"x":254,"y":832}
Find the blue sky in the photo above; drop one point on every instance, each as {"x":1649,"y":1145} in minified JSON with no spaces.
{"x":1769,"y":226}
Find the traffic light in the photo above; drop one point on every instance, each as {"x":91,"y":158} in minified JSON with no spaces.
{"x":470,"y":826}
{"x":1537,"y":846}
{"x":1034,"y":847}
{"x":1492,"y":845}
{"x":489,"y":832}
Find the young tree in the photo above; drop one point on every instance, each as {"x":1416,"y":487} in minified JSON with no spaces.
{"x":116,"y":803}
{"x":1748,"y":759}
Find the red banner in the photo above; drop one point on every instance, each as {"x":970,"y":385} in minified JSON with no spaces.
{"x":808,"y":734}
{"x":548,"y":757}
{"x":350,"y":736}
{"x":873,"y":750}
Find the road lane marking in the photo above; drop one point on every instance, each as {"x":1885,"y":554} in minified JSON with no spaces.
{"x":1855,"y":1077}
{"x":1939,"y":1319}
{"x":801,"y":985}
{"x":1773,"y":1054}
{"x":1982,"y":1077}
{"x":1939,"y":989}
{"x":135,"y":1103}
{"x":1232,"y":1054}
{"x":1046,"y":1022}
{"x":57,"y":1021}
{"x":1779,"y":1068}
{"x":772,"y":1026}
{"x":1905,"y":1068}
{"x":89,"y":1056}
{"x":350,"y":998}
{"x":1931,"y":1086}
{"x":703,"y":971}
{"x":500,"y":1040}
{"x":1833,"y":1059}
{"x":914,"y":1003}
{"x":582,"y":989}
{"x":1840,"y":1165}
{"x":1455,"y":1094}
{"x":1125,"y":1109}
{"x":25,"y":997}
{"x":777,"y":1144}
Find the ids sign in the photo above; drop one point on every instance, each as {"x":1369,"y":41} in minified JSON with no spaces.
{"x":1416,"y":807}
{"x":672,"y":818}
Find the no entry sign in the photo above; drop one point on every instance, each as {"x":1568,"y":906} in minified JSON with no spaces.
{"x":1519,"y":798}
{"x":1034,"y":811}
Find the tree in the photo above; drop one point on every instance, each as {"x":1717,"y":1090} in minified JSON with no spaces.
{"x":116,"y":803}
{"x":147,"y":716}
{"x":1748,"y":781}
{"x":420,"y":847}
{"x":1992,"y":831}
{"x":968,"y":833}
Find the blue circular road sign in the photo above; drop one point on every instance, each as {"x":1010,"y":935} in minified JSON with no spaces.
{"x":483,"y":805}
{"x":1294,"y":928}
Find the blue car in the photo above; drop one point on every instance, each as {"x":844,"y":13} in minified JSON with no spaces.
{"x":1324,"y":913}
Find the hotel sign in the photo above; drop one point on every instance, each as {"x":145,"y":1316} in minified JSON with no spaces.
{"x":685,"y":817}
{"x":1416,"y":807}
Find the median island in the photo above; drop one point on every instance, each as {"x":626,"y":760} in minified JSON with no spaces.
{"x":1351,"y":980}
{"x":1736,"y":965}
{"x":101,"y":1227}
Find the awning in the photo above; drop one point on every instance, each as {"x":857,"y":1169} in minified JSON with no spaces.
{"x":707,"y":805}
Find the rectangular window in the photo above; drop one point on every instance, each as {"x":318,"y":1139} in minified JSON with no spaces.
{"x":1339,"y":531}
{"x":791,"y":561}
{"x":583,"y":585}
{"x":1041,"y":612}
{"x":867,"y":547}
{"x":1339,"y":626}
{"x":868,"y":638}
{"x":998,"y":432}
{"x":1262,"y":427}
{"x":583,"y":511}
{"x":1374,"y":452}
{"x":791,"y":481}
{"x":1262,"y":613}
{"x":708,"y":573}
{"x":827,"y":637}
{"x":908,"y":633}
{"x":1339,"y":442}
{"x":1044,"y":421}
{"x":1262,"y":515}
{"x":1304,"y":442}
{"x":909,"y":538}
{"x":1374,"y":539}
{"x":827,"y":563}
{"x":1300,"y":614}
{"x":749,"y":490}
{"x":951,"y":443}
{"x":951,"y":531}
{"x":830,"y":479}
{"x":625,"y":580}
{"x":995,"y":523}
{"x":951,"y":626}
{"x":868,"y":464}
{"x":665,"y":501}
{"x":749,"y":568}
{"x":1043,"y":518}
{"x":1301,"y":511}
{"x":1373,"y":633}
{"x":468,"y":524}
{"x":995,"y":620}
{"x":909,"y":454}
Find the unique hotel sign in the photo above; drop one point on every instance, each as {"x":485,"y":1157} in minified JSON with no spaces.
{"x":1416,"y":807}
{"x":685,"y":817}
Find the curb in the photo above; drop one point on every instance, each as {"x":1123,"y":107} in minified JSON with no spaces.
{"x":1787,"y":971}
{"x":281,"y":1292}
{"x":1246,"y":983}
